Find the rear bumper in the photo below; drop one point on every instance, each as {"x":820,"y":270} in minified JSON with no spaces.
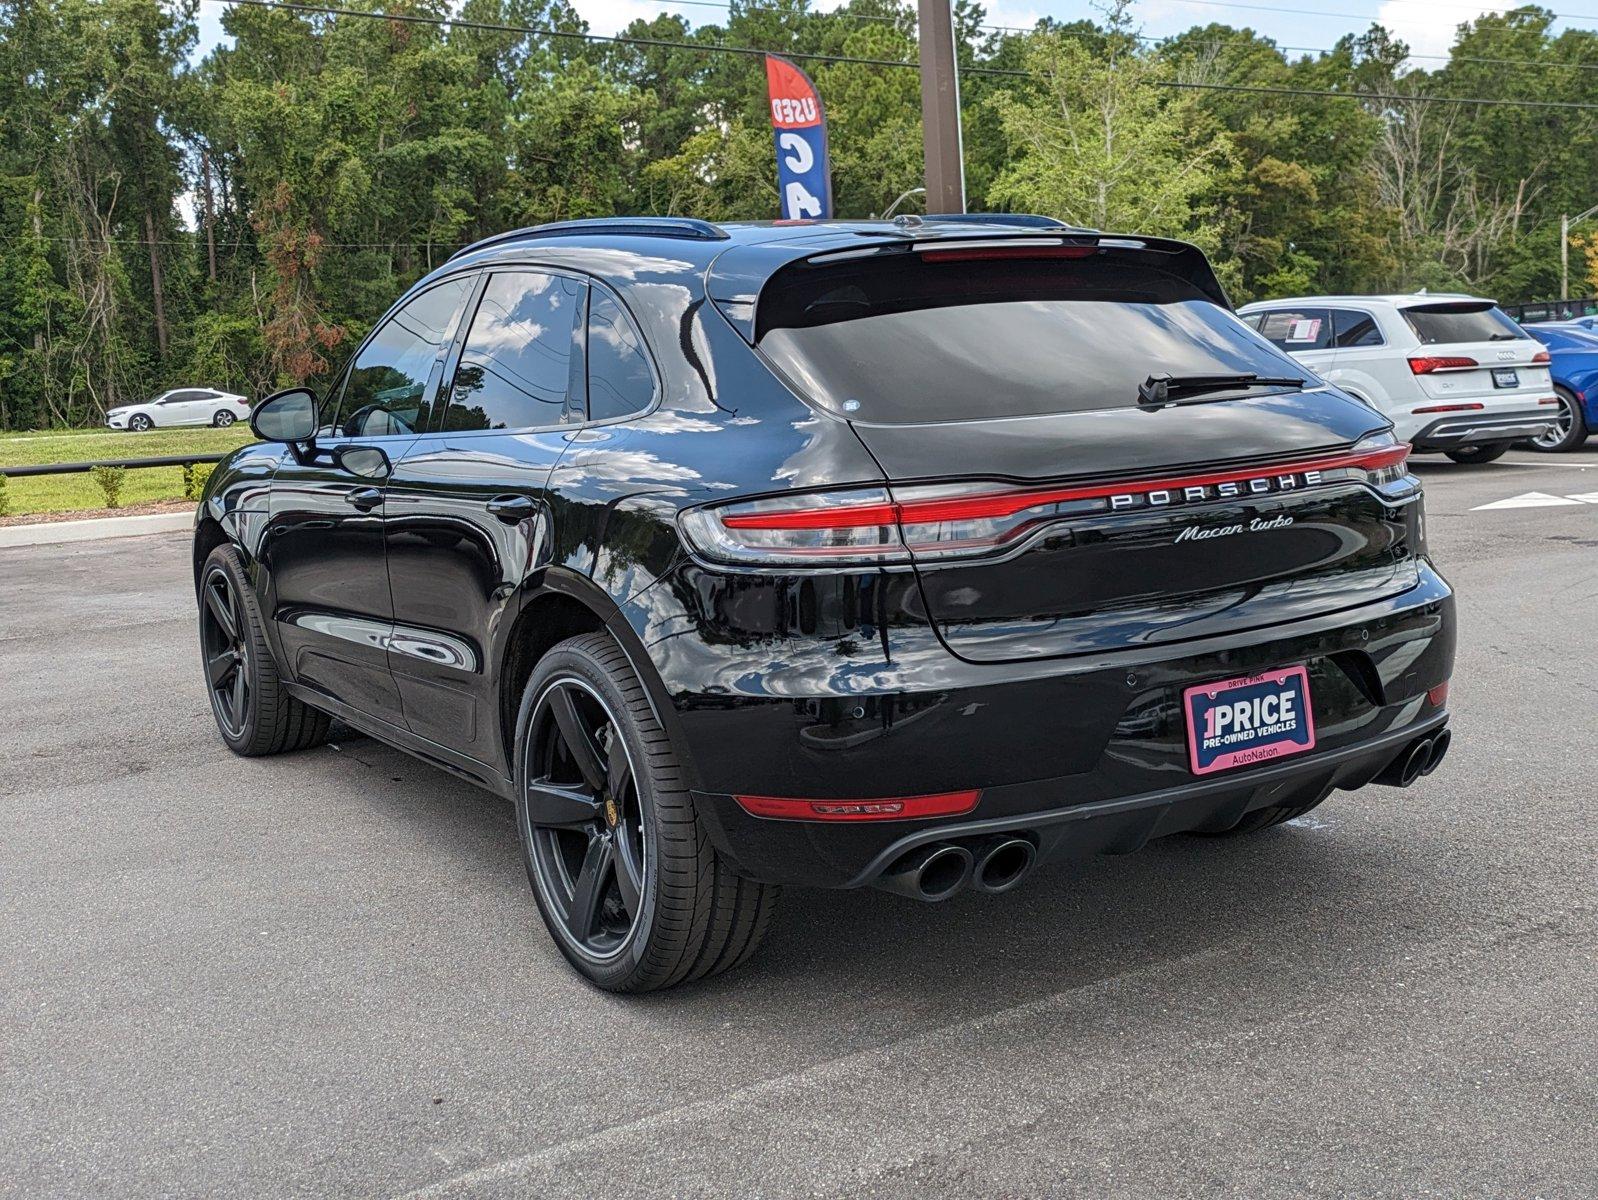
{"x":1481,"y":429}
{"x":1085,"y":757}
{"x":1126,"y":824}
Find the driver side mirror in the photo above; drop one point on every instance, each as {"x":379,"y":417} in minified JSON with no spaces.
{"x":288,"y":416}
{"x":364,"y":462}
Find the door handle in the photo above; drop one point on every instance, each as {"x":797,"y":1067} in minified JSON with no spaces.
{"x":365,"y":499}
{"x":511,"y":509}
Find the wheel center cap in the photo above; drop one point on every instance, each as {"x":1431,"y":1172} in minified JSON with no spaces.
{"x":612,"y":816}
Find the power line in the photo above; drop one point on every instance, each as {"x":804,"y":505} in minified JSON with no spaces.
{"x":726,"y":6}
{"x":1383,"y":96}
{"x":197,"y":239}
{"x":1476,"y":9}
{"x":609,"y":39}
{"x":723,"y":48}
{"x":1540,"y":64}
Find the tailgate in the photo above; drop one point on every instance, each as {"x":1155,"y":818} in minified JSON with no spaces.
{"x":1469,"y":350}
{"x":1144,"y":553}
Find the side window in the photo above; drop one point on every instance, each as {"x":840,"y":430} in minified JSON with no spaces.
{"x":180,"y":397}
{"x":384,"y":390}
{"x":1356,"y":329}
{"x":619,"y":378}
{"x":1252,"y":320}
{"x":516,"y":364}
{"x":1298,"y":328}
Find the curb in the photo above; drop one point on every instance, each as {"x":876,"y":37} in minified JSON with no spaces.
{"x":93,"y":529}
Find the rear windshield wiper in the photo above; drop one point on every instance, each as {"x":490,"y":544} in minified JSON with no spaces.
{"x":1162,"y":389}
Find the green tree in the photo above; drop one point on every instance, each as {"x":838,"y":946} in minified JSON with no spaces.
{"x":1097,"y":142}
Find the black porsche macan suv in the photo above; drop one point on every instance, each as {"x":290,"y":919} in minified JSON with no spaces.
{"x":900,"y":554}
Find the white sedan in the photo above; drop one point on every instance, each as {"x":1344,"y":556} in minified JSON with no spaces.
{"x":181,"y":406}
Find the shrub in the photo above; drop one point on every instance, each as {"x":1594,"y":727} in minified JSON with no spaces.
{"x":195,"y":476}
{"x":5,"y":501}
{"x":110,"y":481}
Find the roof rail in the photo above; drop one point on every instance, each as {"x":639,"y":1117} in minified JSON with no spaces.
{"x":1030,"y":220}
{"x":664,"y":227}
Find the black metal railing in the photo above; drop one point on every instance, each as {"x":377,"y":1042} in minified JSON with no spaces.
{"x":72,"y":468}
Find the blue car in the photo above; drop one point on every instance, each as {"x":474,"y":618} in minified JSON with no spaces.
{"x":1574,"y":366}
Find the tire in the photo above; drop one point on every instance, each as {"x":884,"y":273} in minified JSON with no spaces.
{"x":140,"y":423}
{"x":223,"y":418}
{"x":1476,"y":455}
{"x":691,"y":916}
{"x":1570,"y":433}
{"x":254,"y":712}
{"x":1263,"y":818}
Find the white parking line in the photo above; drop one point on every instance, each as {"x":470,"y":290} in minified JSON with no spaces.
{"x":1540,"y":500}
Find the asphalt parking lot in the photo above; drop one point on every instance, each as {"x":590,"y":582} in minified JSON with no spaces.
{"x":323,"y":974}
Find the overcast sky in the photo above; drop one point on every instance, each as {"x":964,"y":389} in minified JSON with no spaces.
{"x":1427,"y":25}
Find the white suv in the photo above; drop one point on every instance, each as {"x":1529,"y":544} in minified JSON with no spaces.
{"x":1453,"y":373}
{"x":181,"y":406}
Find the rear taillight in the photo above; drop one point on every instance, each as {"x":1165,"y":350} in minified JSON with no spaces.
{"x":1541,"y":359}
{"x":1430,"y":365}
{"x":934,"y":522}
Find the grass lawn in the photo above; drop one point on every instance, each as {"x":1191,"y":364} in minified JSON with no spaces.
{"x":61,"y":493}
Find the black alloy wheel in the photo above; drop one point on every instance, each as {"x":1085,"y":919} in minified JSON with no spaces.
{"x":224,"y":417}
{"x":586,"y":822}
{"x":632,"y":890}
{"x":255,"y":714}
{"x":227,"y":664}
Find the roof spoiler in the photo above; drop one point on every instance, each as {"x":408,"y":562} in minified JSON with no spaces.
{"x":742,"y":271}
{"x":661,"y":227}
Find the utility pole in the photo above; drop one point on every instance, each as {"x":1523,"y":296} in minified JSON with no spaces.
{"x":1565,"y":222}
{"x":1564,"y":256}
{"x":940,"y":108}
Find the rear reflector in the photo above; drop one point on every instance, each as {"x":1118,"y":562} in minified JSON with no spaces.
{"x":1431,"y":365}
{"x":1549,"y":400}
{"x":1437,"y":408}
{"x":1438,"y":695}
{"x":888,"y":808}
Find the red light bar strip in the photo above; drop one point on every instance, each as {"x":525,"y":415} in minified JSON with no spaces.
{"x":1437,"y":408}
{"x":886,"y":808}
{"x":999,"y":252}
{"x":1007,"y":504}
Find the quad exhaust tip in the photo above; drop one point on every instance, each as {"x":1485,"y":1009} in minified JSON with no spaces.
{"x":936,"y":872}
{"x":1421,"y":757}
{"x":1439,"y":749}
{"x":931,"y":873}
{"x":1002,"y":863}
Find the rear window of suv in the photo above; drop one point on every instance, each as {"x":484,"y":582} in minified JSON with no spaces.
{"x":1468,"y":321}
{"x":900,"y":339}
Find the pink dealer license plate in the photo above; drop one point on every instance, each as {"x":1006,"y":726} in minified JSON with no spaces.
{"x":1251,"y":719}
